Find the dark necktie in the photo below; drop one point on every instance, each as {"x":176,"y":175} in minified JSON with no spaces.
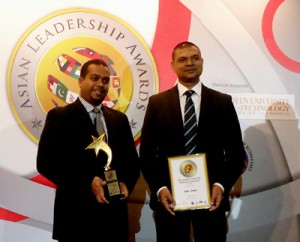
{"x":98,"y":122}
{"x":190,"y":124}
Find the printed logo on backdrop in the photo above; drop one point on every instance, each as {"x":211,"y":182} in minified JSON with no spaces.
{"x":46,"y":63}
{"x":264,"y":106}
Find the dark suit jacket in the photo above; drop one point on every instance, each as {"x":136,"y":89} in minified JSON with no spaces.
{"x":63,"y":159}
{"x":219,"y":136}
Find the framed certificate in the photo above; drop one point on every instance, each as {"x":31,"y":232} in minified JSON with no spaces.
{"x":189,"y":182}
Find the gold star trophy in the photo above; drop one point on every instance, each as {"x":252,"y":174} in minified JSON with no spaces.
{"x":113,"y":188}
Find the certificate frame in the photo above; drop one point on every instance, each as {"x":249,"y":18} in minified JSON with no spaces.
{"x":189,"y":182}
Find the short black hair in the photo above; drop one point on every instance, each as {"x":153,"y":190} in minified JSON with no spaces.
{"x":183,"y":45}
{"x":84,"y":68}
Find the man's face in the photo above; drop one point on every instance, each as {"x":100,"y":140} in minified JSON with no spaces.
{"x":187,"y":65}
{"x":94,"y":87}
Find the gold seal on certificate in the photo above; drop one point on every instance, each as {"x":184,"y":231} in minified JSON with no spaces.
{"x":113,"y":188}
{"x":189,"y":182}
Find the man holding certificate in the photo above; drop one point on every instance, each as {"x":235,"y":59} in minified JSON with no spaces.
{"x":192,"y":154}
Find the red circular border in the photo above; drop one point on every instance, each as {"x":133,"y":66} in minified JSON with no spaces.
{"x":269,"y":39}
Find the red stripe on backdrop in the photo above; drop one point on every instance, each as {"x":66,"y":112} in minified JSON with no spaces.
{"x":173,"y":26}
{"x":42,"y":180}
{"x":11,"y":216}
{"x":15,"y":217}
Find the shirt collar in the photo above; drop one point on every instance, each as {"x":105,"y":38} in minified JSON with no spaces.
{"x":182,"y":89}
{"x":89,"y":107}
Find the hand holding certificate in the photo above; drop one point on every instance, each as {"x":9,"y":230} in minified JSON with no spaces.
{"x":189,"y":181}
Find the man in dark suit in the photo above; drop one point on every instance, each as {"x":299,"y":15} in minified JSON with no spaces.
{"x":83,"y":210}
{"x":218,"y":135}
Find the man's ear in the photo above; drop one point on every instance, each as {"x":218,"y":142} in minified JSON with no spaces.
{"x":80,"y":79}
{"x":172,"y":65}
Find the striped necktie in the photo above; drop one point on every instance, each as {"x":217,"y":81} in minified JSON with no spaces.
{"x":98,"y":122}
{"x":190,"y":124}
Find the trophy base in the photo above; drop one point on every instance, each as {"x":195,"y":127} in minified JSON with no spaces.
{"x":113,"y":187}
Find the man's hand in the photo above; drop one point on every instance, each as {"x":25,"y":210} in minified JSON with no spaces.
{"x":124,"y":191}
{"x":98,"y":190}
{"x":167,"y":200}
{"x":216,"y":197}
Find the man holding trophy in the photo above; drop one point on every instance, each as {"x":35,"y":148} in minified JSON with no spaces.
{"x":88,"y":152}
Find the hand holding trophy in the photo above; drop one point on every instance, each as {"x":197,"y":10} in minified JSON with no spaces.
{"x":113,"y":188}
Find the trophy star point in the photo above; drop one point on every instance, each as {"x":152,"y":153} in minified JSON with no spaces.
{"x":97,"y":143}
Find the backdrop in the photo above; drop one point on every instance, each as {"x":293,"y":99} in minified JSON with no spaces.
{"x":250,"y":48}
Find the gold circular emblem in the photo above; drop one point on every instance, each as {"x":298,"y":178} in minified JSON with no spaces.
{"x":46,"y":63}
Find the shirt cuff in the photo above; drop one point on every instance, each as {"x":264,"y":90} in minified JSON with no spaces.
{"x":159,"y":191}
{"x":220,"y":185}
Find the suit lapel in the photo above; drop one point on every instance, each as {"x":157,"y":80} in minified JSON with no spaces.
{"x":204,"y":122}
{"x":108,"y":121}
{"x":174,"y":104}
{"x":204,"y":105}
{"x":79,"y":113}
